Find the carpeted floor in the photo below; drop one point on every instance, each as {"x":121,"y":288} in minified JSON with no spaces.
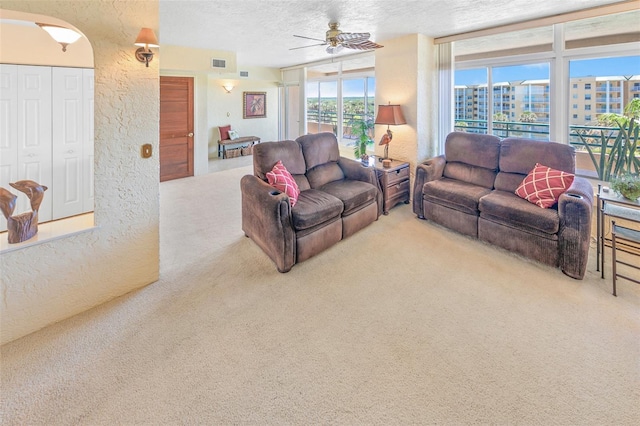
{"x":403,"y":323}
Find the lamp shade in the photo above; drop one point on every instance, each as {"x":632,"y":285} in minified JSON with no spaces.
{"x":390,"y":115}
{"x":147,"y":38}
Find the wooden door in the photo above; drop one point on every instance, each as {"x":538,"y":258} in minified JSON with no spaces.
{"x":176,"y":127}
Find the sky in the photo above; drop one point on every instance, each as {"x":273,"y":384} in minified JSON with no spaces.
{"x":351,"y":88}
{"x":627,"y":65}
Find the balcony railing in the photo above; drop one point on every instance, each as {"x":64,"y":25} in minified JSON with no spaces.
{"x":540,"y":131}
{"x":329,"y":120}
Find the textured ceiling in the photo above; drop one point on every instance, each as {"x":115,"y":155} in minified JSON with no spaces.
{"x":261,"y":31}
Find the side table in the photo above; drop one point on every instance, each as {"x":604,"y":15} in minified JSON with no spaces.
{"x":394,"y":182}
{"x":611,"y":205}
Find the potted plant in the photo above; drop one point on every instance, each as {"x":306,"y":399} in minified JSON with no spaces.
{"x":361,"y":129}
{"x":627,"y":185}
{"x":620,"y":157}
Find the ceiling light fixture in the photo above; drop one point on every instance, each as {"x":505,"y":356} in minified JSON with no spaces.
{"x":64,"y":36}
{"x":146,"y":38}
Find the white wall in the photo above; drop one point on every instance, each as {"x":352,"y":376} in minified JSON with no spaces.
{"x":49,"y":282}
{"x":406,"y":75}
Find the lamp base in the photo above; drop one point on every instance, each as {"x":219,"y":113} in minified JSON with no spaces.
{"x":386,"y":163}
{"x":144,"y":55}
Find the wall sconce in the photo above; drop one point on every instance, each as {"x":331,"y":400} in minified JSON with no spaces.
{"x":64,"y":36}
{"x":147,"y":38}
{"x":391,"y":115}
{"x":228,"y":87}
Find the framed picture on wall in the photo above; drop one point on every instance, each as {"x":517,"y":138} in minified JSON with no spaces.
{"x":254,"y":104}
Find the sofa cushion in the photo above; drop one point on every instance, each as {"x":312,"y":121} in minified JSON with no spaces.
{"x":544,"y":185}
{"x":315,"y":207}
{"x":319,"y":148}
{"x":280,"y":178}
{"x":461,"y":196}
{"x":474,"y":149}
{"x":354,"y":194}
{"x":470,"y":174}
{"x":267,"y":154}
{"x":506,"y":207}
{"x":324,"y":173}
{"x":518,"y":156}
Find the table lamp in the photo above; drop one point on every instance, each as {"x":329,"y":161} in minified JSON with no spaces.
{"x":391,"y":115}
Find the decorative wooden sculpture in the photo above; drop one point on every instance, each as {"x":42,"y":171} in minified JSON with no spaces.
{"x":23,"y":226}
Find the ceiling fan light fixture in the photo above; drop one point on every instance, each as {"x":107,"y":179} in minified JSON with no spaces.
{"x":332,"y":50}
{"x":64,"y":36}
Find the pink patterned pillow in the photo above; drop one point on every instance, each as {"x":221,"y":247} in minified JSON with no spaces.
{"x":280,"y":178}
{"x":544,"y":185}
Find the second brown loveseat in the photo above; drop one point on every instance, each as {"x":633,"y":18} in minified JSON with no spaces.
{"x":338,"y":196}
{"x":471,"y":189}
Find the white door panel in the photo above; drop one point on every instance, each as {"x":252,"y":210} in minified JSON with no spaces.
{"x":67,"y":141}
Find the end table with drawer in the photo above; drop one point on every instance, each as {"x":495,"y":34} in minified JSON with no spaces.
{"x":394,"y":182}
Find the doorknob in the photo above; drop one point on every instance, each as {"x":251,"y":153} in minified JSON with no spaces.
{"x":190,"y":134}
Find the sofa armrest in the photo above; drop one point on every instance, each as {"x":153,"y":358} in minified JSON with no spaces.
{"x":429,"y":170}
{"x":354,"y":170}
{"x":575,"y":208}
{"x":266,"y":219}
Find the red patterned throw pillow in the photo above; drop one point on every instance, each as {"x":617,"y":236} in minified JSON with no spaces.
{"x":280,"y":178}
{"x":543,"y":185}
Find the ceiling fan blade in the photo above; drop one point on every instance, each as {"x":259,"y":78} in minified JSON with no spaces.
{"x":310,"y":38}
{"x":366,"y":45}
{"x":353,"y":37}
{"x":311,"y":45}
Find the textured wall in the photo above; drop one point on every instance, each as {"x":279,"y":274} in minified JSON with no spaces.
{"x":49,"y":282}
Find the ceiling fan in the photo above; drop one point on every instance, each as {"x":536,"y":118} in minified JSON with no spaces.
{"x":335,"y":40}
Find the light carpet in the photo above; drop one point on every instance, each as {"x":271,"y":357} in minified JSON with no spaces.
{"x":404,"y":322}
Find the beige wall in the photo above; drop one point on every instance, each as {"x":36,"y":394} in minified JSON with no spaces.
{"x":213,"y":105}
{"x":405,"y":75}
{"x":30,"y":45}
{"x":46,"y":283}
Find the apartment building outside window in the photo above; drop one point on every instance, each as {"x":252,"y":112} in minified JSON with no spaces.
{"x":602,"y":75}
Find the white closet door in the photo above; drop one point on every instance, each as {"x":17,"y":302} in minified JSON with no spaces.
{"x":88,"y":141}
{"x":34,"y":134}
{"x":8,"y":129}
{"x":67,"y":141}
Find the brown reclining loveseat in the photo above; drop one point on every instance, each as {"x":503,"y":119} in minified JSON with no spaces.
{"x":338,"y":197}
{"x":471,"y":189}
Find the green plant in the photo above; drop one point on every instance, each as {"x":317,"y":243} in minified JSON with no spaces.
{"x":627,"y":185}
{"x":620,"y":157}
{"x":361,"y":129}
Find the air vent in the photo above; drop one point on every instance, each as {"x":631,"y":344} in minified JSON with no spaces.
{"x":244,"y":73}
{"x":218,"y":63}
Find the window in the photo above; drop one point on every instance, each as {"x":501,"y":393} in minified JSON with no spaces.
{"x":606,"y":87}
{"x":322,"y":106}
{"x":357,"y":103}
{"x":527,"y":85}
{"x":471,"y":83}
